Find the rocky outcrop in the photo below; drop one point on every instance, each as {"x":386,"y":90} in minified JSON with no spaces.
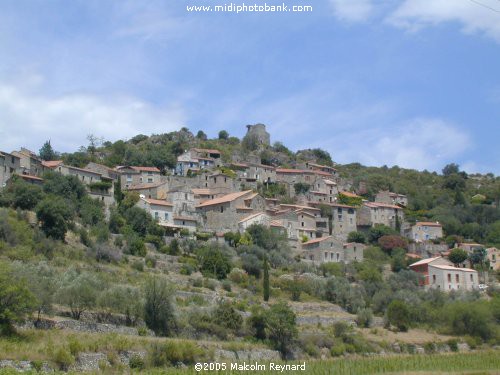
{"x":25,"y":366}
{"x":247,"y":355}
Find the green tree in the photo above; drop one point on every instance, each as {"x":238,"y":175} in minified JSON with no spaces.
{"x":398,"y":315}
{"x":223,"y":135}
{"x":226,"y":316}
{"x":16,"y":300}
{"x":118,"y":192}
{"x":265,"y":281}
{"x":357,"y":237}
{"x":257,"y":322}
{"x":213,"y":262}
{"x":47,"y":153}
{"x":159,"y":310}
{"x":281,"y":327}
{"x":54,"y":214}
{"x":25,"y":196}
{"x":301,"y":188}
{"x":79,"y":291}
{"x":201,"y":135}
{"x":458,"y":256}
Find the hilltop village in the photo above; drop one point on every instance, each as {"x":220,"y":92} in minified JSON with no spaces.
{"x":172,"y":249}
{"x":203,"y":194}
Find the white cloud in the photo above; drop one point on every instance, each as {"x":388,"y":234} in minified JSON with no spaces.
{"x":474,"y":17}
{"x":352,"y":10}
{"x":419,"y":144}
{"x":28,"y":119}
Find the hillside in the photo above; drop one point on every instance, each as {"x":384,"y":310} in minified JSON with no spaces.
{"x":85,"y":286}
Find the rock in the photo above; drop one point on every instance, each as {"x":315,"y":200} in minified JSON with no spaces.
{"x":90,"y":362}
{"x":127,"y":354}
{"x":463,"y":347}
{"x":419,"y":349}
{"x":25,"y":366}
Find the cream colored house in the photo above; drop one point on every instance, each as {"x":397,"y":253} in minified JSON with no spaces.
{"x":9,"y":165}
{"x":493,"y":255}
{"x":448,"y":278}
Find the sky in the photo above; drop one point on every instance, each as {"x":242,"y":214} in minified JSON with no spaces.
{"x":413,"y":83}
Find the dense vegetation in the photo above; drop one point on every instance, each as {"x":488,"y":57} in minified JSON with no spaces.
{"x":80,"y":263}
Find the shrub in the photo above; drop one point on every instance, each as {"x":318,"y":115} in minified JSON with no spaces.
{"x":136,"y":246}
{"x":78,"y":290}
{"x":364,"y":318}
{"x":226,"y":285}
{"x":63,"y":359}
{"x":398,"y":315}
{"x":281,"y":327}
{"x":159,"y":312}
{"x":138,"y":265}
{"x":358,"y":237}
{"x":226,"y":316}
{"x":213,"y":262}
{"x":257,"y":322}
{"x":136,"y":362}
{"x":150,"y":261}
{"x":54,"y":214}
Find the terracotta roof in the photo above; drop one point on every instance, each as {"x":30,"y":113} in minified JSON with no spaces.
{"x":349,"y":194}
{"x":413,"y":256}
{"x":424,"y":261}
{"x":202,"y":191}
{"x":451,"y":268}
{"x":28,"y":177}
{"x":321,"y":173}
{"x":381,"y":205}
{"x":251,"y":217}
{"x":207,"y":150}
{"x":469,"y":244}
{"x":321,"y":166}
{"x":277,"y":223}
{"x":52,"y":163}
{"x":244,"y":208}
{"x":158,"y":202}
{"x":316,"y":240}
{"x":251,"y":196}
{"x":298,"y":206}
{"x":186,"y":218}
{"x":224,"y":199}
{"x":428,"y":224}
{"x":146,"y":169}
{"x":240,"y":165}
{"x":144,"y":186}
{"x":287,"y":170}
{"x":329,"y":182}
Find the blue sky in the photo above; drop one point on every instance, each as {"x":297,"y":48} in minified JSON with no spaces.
{"x":414,"y":83}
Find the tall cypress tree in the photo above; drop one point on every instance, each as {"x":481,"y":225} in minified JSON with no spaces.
{"x":266,"y":280}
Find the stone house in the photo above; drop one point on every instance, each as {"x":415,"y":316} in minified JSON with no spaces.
{"x":132,"y":175}
{"x":493,"y":255}
{"x":223,"y":214}
{"x":290,"y":177}
{"x":373,"y":213}
{"x":319,"y":168}
{"x":34,"y":180}
{"x":197,"y":159}
{"x":103,"y":170}
{"x":323,"y":191}
{"x":9,"y":165}
{"x":330,"y":249}
{"x":344,"y":219}
{"x":469,"y":247}
{"x":388,"y":197}
{"x":422,"y":267}
{"x":186,"y":222}
{"x":219,"y":182}
{"x":30,"y":163}
{"x":151,"y":191}
{"x":160,"y":210}
{"x":259,"y":218}
{"x":448,"y":278}
{"x":425,"y":231}
{"x":253,"y":172}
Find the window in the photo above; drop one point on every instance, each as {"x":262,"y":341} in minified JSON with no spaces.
{"x":449,"y":277}
{"x":150,"y":180}
{"x":129,"y":178}
{"x":156,"y":215}
{"x":471,"y":277}
{"x":150,"y":173}
{"x":166,"y":215}
{"x":457,"y":278}
{"x":185,"y":196}
{"x":338,"y":256}
{"x":302,"y":224}
{"x":326,"y":255}
{"x":221,"y":209}
{"x":434,"y":279}
{"x":140,"y":179}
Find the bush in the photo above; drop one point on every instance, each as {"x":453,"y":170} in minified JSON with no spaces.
{"x":138,"y":265}
{"x":54,"y":214}
{"x":257,"y":322}
{"x":364,"y":318}
{"x":79,"y":291}
{"x":63,"y":359}
{"x":226,"y":285}
{"x":398,"y":315}
{"x":159,"y":312}
{"x":136,"y":362}
{"x":213,"y":262}
{"x":281,"y":327}
{"x":136,"y":246}
{"x":226,"y":316}
{"x":150,"y":261}
{"x":358,"y":237}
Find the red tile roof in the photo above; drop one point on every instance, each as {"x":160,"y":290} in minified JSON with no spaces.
{"x":428,"y":224}
{"x":145,"y":169}
{"x":225,"y":199}
{"x":52,"y":163}
{"x":381,"y":205}
{"x":158,"y":202}
{"x":316,"y":240}
{"x":349,"y":194}
{"x":424,"y":261}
